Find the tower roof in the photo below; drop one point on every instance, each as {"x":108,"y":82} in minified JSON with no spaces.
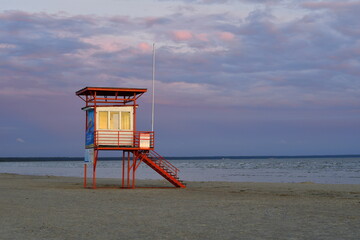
{"x":111,"y":91}
{"x":109,"y":95}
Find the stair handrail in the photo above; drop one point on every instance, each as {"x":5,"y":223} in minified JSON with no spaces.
{"x":171,"y":167}
{"x":158,"y":163}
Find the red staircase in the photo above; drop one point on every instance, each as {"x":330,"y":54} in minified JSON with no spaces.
{"x":161,"y":166}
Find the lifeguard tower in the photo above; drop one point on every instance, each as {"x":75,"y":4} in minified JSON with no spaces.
{"x":111,"y":126}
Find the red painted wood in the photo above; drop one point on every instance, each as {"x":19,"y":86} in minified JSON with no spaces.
{"x":161,"y":166}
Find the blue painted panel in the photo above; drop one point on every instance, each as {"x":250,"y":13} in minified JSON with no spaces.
{"x":89,"y":141}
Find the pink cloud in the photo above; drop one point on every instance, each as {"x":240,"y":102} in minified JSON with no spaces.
{"x":202,"y":37}
{"x":144,"y":46}
{"x":106,"y":43}
{"x":227,"y":36}
{"x":109,"y":47}
{"x":182,"y":35}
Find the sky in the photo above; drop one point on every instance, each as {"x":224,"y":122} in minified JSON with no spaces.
{"x":233,"y":77}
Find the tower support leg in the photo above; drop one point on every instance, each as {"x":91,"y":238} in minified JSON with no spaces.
{"x":123,"y":170}
{"x":133,"y":169}
{"x":128,"y":169}
{"x":129,"y":166}
{"x":85,"y":175}
{"x":96,"y":152}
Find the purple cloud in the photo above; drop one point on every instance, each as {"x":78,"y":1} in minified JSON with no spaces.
{"x":228,"y":1}
{"x":332,"y":5}
{"x":244,"y":67}
{"x":258,"y":44}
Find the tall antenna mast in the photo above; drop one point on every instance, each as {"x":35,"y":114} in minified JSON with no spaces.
{"x":153,"y":90}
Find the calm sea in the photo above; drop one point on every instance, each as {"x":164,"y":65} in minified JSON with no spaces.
{"x":334,"y":170}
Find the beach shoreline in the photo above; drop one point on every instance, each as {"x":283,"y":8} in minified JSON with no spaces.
{"x":49,"y":207}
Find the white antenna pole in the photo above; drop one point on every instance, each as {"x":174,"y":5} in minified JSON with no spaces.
{"x":153,"y":90}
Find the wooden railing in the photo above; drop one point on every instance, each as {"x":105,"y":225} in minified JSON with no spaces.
{"x":132,"y":139}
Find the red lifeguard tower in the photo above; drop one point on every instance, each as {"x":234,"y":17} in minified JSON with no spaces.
{"x":111,"y":125}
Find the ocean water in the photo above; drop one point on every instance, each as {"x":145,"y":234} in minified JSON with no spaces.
{"x":333,"y":170}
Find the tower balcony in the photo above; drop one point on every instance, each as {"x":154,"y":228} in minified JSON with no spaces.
{"x":124,"y":140}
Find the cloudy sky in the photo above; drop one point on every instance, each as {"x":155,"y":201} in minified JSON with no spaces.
{"x":234,"y":77}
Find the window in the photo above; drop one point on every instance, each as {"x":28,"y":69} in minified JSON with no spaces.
{"x":103,"y":120}
{"x":114,"y":120}
{"x":125,"y":120}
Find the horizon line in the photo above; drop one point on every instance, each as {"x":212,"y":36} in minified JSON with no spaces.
{"x":2,"y":159}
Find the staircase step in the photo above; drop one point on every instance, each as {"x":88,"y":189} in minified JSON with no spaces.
{"x":161,"y":168}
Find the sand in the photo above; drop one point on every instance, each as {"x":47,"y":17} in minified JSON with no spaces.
{"x":46,"y":207}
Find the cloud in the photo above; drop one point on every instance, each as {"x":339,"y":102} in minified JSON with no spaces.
{"x":102,"y":43}
{"x":216,"y":62}
{"x":28,"y":92}
{"x":152,"y":21}
{"x":202,"y":37}
{"x":20,"y":140}
{"x":227,"y":36}
{"x":257,"y":55}
{"x":7,"y":46}
{"x":145,"y":46}
{"x":182,"y":35}
{"x":229,"y":1}
{"x":332,"y":5}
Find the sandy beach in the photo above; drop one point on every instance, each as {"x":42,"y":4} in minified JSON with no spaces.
{"x":46,"y":207}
